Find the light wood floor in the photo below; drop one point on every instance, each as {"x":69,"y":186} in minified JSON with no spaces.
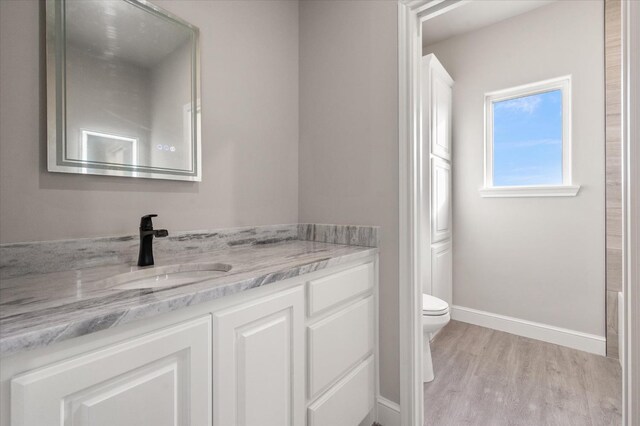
{"x":490,"y":378}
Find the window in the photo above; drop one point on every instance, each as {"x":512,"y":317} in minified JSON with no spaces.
{"x":528,"y":141}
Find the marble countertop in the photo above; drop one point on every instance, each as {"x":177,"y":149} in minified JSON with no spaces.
{"x":41,"y":309}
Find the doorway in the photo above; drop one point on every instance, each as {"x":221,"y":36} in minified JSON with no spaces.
{"x":414,"y":251}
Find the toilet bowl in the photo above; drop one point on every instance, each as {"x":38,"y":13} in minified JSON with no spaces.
{"x":435,"y":315}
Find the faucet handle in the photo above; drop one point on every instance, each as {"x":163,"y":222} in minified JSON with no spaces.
{"x":145,"y":222}
{"x":159,"y":233}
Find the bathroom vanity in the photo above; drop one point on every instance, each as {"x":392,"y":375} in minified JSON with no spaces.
{"x":287,"y":335}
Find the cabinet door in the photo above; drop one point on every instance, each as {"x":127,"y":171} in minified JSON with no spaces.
{"x":160,"y":379}
{"x":442,"y":271}
{"x":440,"y":200}
{"x":441,"y":100}
{"x":258,"y":377}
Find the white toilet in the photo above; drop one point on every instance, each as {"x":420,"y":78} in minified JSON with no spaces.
{"x":435,"y":315}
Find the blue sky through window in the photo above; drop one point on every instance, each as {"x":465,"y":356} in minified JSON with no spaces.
{"x":527,"y":140}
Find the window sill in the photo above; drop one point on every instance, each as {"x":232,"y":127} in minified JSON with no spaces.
{"x":530,"y":191}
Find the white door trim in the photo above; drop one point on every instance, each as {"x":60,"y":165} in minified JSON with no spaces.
{"x":411,"y":14}
{"x":631,"y":208}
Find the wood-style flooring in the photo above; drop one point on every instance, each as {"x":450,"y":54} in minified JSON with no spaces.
{"x":490,"y":378}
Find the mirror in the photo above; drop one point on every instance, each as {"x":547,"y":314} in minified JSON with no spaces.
{"x":122,"y":90}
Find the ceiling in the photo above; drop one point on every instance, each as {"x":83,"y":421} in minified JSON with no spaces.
{"x":471,"y":15}
{"x":115,"y":28}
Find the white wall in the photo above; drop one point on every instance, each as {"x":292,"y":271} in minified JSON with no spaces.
{"x":349,"y":137}
{"x":538,"y":259}
{"x":249,"y":127}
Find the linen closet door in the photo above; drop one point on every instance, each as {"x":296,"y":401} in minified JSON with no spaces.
{"x":436,"y":179}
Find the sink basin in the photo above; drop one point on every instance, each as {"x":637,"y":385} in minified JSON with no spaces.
{"x":167,"y":276}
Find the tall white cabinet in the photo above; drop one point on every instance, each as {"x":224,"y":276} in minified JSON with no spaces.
{"x":436,"y":157}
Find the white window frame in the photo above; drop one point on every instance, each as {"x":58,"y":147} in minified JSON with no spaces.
{"x":566,"y":189}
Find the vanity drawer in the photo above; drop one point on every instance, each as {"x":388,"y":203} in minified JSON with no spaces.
{"x":329,"y":291}
{"x":338,"y":342}
{"x":348,"y":402}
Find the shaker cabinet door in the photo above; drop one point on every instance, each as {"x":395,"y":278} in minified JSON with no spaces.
{"x":442,"y":271}
{"x":258,"y":373}
{"x":440,"y":200}
{"x":441,"y":117}
{"x":158,"y":379}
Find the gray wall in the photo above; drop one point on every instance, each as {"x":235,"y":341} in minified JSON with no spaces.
{"x":250,"y":132}
{"x":349,"y":137}
{"x":538,"y":259}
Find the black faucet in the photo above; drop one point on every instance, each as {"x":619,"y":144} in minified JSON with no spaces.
{"x":145,"y":257}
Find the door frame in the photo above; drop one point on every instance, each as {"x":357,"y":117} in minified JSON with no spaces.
{"x":411,"y":15}
{"x":631,"y":211}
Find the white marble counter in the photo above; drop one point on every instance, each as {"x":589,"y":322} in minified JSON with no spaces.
{"x":39,"y":309}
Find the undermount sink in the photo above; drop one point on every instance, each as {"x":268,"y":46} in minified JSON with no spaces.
{"x":166,"y":276}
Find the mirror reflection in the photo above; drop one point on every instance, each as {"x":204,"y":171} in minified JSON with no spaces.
{"x":129,"y":88}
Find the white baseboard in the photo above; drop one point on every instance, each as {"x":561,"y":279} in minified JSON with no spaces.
{"x":388,"y":412}
{"x":534,"y":330}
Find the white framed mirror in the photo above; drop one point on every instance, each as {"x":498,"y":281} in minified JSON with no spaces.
{"x":123,"y":90}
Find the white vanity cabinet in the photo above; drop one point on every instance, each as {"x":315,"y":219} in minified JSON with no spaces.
{"x":300,"y":352}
